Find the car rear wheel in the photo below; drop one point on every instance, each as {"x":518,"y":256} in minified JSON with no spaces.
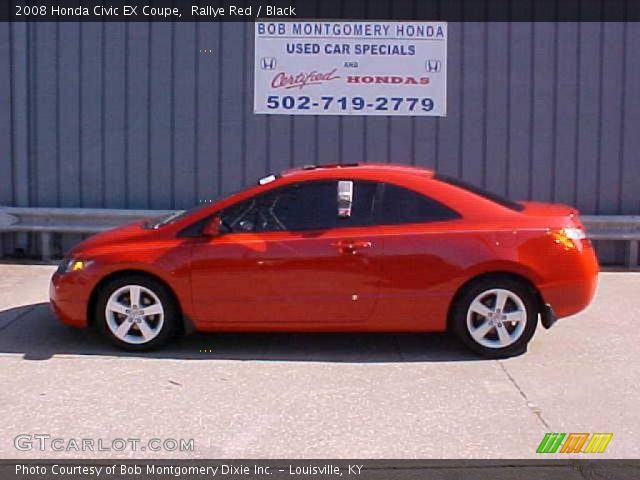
{"x":496,"y":317}
{"x":136,"y":313}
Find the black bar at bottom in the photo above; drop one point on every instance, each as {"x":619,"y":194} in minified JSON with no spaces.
{"x":574,"y":469}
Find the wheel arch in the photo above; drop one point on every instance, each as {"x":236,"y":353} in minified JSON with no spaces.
{"x":495,"y":274}
{"x":184,"y":325}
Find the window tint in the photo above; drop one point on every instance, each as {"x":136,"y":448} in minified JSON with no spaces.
{"x":400,"y":205}
{"x":362,"y":209}
{"x":241,"y":217}
{"x":304,"y":206}
{"x":494,"y":197}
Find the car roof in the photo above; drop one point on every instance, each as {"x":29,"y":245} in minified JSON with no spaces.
{"x":422,"y":180}
{"x":332,"y":170}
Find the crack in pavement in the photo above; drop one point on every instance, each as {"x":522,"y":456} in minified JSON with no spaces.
{"x":535,"y":410}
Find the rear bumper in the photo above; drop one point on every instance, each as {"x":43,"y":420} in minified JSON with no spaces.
{"x":569,"y":298}
{"x":575,"y":289}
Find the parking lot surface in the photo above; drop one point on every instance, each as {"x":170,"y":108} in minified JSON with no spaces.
{"x":299,"y":395}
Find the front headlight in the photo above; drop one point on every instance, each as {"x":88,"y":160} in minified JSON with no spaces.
{"x":72,"y":265}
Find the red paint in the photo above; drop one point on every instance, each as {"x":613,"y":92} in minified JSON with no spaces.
{"x":404,"y":276}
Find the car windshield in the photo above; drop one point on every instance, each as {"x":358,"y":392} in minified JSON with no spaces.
{"x":494,"y":197}
{"x":172,"y":217}
{"x":178,"y":214}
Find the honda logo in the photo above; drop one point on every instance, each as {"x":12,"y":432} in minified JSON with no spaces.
{"x":433,"y":66}
{"x":268,"y":63}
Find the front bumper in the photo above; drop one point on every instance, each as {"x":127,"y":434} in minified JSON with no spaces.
{"x":68,"y":296}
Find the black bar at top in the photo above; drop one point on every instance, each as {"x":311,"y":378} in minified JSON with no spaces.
{"x":417,"y":10}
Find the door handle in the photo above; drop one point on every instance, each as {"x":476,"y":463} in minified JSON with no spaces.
{"x":351,"y":246}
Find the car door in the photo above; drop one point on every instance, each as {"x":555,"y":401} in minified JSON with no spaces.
{"x":289,"y":262}
{"x":419,"y":262}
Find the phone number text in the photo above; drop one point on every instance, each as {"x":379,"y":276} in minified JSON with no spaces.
{"x":350,"y":104}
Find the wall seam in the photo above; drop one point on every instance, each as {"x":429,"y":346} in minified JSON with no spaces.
{"x":598,"y":205}
{"x":219,"y":99}
{"x":103,"y":108}
{"x":623,"y":101}
{"x":148,"y":99}
{"x":507,"y":172}
{"x":196,"y":112}
{"x":80,"y":129}
{"x":576,"y":152}
{"x":172,"y":118}
{"x":127,"y":133}
{"x":32,"y":65}
{"x":460,"y":172}
{"x":554,"y":117}
{"x":58,"y":122}
{"x":485,"y":102}
{"x":532,"y":106}
{"x":12,"y":106}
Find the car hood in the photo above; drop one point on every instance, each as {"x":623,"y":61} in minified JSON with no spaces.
{"x":129,"y":233}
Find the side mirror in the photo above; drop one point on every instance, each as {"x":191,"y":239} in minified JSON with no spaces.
{"x":213,"y":228}
{"x":345,"y":198}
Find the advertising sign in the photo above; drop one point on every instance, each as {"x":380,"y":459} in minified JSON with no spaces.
{"x":351,"y":68}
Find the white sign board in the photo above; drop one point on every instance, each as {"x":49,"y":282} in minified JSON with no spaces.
{"x":351,"y":68}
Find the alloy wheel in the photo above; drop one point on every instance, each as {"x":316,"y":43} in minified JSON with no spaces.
{"x":134,"y":314}
{"x":496,"y":318}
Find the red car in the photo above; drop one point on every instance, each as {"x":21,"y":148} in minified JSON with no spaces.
{"x":336,"y":248}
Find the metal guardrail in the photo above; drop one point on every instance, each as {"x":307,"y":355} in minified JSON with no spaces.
{"x":47,"y":221}
{"x":616,"y":227}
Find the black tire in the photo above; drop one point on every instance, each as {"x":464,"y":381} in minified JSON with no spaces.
{"x":166,"y":329}
{"x":458,"y":320}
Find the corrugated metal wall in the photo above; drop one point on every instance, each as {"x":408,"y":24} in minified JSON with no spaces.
{"x":160,"y":115}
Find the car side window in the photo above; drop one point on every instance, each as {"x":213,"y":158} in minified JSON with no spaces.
{"x":242,"y":216}
{"x":304,"y":206}
{"x":400,"y":205}
{"x":362,"y":208}
{"x":309,"y":205}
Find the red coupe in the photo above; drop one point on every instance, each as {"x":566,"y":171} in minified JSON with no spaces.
{"x":336,"y":248}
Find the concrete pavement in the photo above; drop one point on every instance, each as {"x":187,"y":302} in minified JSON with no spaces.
{"x":338,"y":396}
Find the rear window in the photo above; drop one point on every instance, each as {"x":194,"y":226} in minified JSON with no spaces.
{"x":493,"y":197}
{"x":400,"y":205}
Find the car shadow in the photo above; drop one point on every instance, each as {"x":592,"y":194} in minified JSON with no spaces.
{"x":34,"y":332}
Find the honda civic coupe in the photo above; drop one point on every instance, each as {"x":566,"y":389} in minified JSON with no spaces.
{"x":336,"y":248}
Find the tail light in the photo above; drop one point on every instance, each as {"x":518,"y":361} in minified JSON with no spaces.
{"x":573,"y":233}
{"x":569,"y":237}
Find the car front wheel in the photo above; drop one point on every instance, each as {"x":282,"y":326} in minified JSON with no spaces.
{"x":136,"y":313}
{"x":496,"y":317}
